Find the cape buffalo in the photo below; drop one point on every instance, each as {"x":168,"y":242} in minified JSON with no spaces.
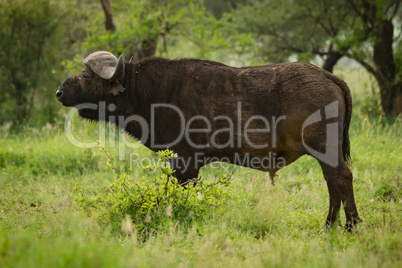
{"x":262,"y":117}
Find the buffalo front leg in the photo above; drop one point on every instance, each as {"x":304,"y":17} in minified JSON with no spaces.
{"x":340,"y":186}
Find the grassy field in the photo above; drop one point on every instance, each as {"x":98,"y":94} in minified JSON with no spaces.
{"x":275,"y":226}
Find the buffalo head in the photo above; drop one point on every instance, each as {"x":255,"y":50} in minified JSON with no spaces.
{"x":99,"y":79}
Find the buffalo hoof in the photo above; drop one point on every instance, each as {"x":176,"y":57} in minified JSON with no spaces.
{"x":350,"y":225}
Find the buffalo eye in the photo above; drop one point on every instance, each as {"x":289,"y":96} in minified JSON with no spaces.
{"x":86,"y":77}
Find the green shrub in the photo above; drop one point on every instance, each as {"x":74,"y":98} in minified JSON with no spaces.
{"x":156,"y":199}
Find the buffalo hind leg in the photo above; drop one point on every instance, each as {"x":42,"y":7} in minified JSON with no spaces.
{"x":340,"y":186}
{"x":334,"y":203}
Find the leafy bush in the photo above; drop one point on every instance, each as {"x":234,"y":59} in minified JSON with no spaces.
{"x":156,"y":199}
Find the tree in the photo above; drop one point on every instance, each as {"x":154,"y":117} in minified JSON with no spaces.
{"x":363,"y":30}
{"x":141,"y":24}
{"x":26,"y":37}
{"x":301,"y":28}
{"x":145,"y":28}
{"x":377,"y":28}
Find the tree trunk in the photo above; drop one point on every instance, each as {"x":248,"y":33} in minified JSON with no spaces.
{"x":331,"y":60}
{"x":384,"y":62}
{"x":20,"y":103}
{"x":385,"y":66}
{"x":108,"y":15}
{"x":397,"y":107}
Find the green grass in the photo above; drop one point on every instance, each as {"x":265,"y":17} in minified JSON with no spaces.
{"x":278,"y":226}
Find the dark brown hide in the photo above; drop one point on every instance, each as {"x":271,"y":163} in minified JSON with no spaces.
{"x":286,"y":95}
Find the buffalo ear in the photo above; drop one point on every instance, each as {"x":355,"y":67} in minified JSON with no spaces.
{"x":116,"y":88}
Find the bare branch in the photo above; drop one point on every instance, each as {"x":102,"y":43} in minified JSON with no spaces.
{"x":355,"y":8}
{"x":395,"y":10}
{"x":366,"y":65}
{"x":108,"y":15}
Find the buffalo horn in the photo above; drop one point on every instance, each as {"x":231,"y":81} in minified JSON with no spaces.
{"x":106,"y":65}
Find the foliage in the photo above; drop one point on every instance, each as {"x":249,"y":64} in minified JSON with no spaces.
{"x":219,"y":8}
{"x":145,"y":28}
{"x":157,"y":199}
{"x":27,"y":55}
{"x":299,"y":29}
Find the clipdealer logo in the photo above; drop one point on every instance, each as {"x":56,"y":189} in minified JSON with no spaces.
{"x":330,"y":156}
